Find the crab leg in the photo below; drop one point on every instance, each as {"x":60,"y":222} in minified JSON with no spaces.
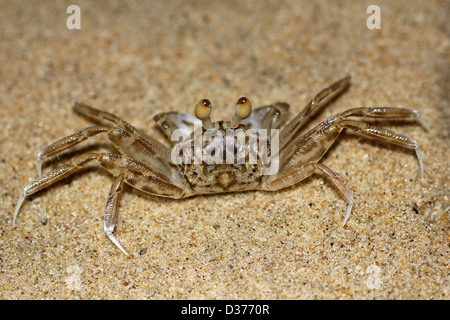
{"x":128,"y":144}
{"x":299,"y":160}
{"x":385,"y":113}
{"x":126,"y":170}
{"x":318,"y":101}
{"x":66,"y":143}
{"x":304,"y":172}
{"x":313,"y":145}
{"x":111,"y":211}
{"x":52,"y":177}
{"x":95,"y":114}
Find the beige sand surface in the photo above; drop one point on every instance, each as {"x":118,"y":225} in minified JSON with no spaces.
{"x":138,"y":58}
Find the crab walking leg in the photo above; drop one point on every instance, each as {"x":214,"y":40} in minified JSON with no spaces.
{"x":386,"y":135}
{"x":112,"y":210}
{"x":136,"y":174}
{"x":66,"y":143}
{"x":129,"y":145}
{"x":313,"y":145}
{"x":385,"y":113}
{"x":52,"y":177}
{"x":304,"y":172}
{"x":95,"y":114}
{"x":318,"y":101}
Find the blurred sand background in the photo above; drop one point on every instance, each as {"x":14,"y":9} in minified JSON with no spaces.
{"x":138,"y":58}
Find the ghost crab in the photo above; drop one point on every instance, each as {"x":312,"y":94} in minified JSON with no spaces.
{"x":148,"y":165}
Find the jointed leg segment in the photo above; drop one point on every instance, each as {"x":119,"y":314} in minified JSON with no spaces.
{"x":153,"y":145}
{"x":314,"y":105}
{"x":54,"y":176}
{"x":125,"y":142}
{"x":304,"y":172}
{"x":126,"y":170}
{"x":314,"y":144}
{"x":66,"y":143}
{"x":301,"y":153}
{"x":112,"y":210}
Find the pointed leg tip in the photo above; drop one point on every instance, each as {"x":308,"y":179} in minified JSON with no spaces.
{"x":344,"y":223}
{"x":420,"y":159}
{"x":125,"y":252}
{"x":16,"y":213}
{"x":117,"y":243}
{"x":18,"y":206}
{"x":347,"y":214}
{"x":424,"y":124}
{"x":422,"y":176}
{"x":15,"y":218}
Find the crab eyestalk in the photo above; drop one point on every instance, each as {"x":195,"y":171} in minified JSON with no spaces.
{"x":243,"y":111}
{"x":203,"y":112}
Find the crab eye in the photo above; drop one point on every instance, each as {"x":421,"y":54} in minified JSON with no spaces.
{"x":243,"y":108}
{"x":203,"y":109}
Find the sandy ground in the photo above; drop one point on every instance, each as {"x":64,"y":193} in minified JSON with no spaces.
{"x":138,"y":58}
